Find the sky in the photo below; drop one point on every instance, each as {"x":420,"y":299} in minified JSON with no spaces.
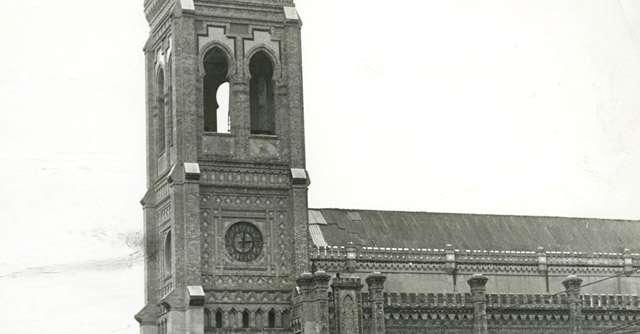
{"x":527,"y":107}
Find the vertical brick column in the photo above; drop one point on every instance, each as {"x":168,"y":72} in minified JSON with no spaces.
{"x":376,"y":296}
{"x":572,"y":285}
{"x":478,"y":283}
{"x":348,"y":301}
{"x":313,"y":303}
{"x":300,"y":216}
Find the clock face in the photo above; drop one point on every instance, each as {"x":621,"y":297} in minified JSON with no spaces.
{"x":243,"y":242}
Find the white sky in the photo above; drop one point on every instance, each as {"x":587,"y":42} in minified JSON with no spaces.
{"x":494,"y":106}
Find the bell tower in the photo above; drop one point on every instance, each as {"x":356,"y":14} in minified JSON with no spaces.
{"x":225,"y":212}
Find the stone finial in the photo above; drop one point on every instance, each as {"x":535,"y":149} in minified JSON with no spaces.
{"x":542,"y":260}
{"x":477,"y":281}
{"x":351,"y":257}
{"x":321,"y":279}
{"x":305,"y":283}
{"x":376,"y":280}
{"x":450,"y":258}
{"x":628,"y":261}
{"x":572,"y":283}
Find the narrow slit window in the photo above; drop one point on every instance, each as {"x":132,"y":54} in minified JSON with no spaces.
{"x":161,"y":111}
{"x":216,"y":92}
{"x":168,"y":256}
{"x":262,"y":100}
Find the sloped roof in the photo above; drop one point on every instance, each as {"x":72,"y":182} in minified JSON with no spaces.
{"x":473,"y":231}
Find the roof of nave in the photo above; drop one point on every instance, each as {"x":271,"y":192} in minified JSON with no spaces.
{"x":338,"y":227}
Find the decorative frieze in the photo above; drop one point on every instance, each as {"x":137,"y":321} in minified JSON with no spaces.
{"x":239,"y":281}
{"x":164,"y":214}
{"x":253,"y":297}
{"x":246,"y":177}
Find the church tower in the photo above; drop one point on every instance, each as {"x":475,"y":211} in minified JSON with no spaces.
{"x":225,"y":212}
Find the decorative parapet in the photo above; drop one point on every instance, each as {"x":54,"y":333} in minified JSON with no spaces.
{"x":509,"y":301}
{"x":364,"y":258}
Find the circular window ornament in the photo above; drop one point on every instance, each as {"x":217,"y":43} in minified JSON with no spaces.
{"x":243,"y":242}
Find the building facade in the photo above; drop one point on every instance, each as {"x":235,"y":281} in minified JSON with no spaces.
{"x":232,"y":247}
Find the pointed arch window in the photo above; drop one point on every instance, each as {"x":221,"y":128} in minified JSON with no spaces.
{"x":207,"y":318}
{"x":262,"y":100}
{"x":271,"y":322}
{"x":216,"y":92}
{"x":245,"y":319}
{"x":219,"y":319}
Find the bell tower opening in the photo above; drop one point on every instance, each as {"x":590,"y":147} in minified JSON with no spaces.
{"x":216,"y":92}
{"x":261,"y":93}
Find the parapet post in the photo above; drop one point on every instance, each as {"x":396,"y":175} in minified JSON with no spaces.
{"x":572,"y":285}
{"x":628,"y":262}
{"x":542,"y":261}
{"x":478,"y":283}
{"x":348,"y":302}
{"x":313,"y":303}
{"x":450,"y":258}
{"x":351,"y":257}
{"x":375,"y":282}
{"x":321,"y":300}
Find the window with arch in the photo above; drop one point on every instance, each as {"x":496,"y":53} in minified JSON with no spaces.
{"x":262,"y":100}
{"x":216,"y":92}
{"x":245,"y":319}
{"x":271,"y":322}
{"x":219,"y":319}
{"x":160,"y":95}
{"x":207,"y":318}
{"x":168,"y":254}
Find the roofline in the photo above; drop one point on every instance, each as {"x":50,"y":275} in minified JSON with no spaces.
{"x":481,"y":214}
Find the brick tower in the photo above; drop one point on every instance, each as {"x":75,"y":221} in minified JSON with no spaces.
{"x":225,"y":213}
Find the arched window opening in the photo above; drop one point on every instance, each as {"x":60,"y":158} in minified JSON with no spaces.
{"x":245,"y":319}
{"x":262,"y":100}
{"x":219,"y":319}
{"x":216,"y":102}
{"x":272,"y":319}
{"x":167,"y":254}
{"x":161,"y":111}
{"x":207,"y":318}
{"x":222,"y":114}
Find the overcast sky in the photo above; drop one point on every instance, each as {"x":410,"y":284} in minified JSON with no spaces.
{"x":494,"y":106}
